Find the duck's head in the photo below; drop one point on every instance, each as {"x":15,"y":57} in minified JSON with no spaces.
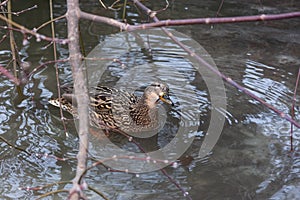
{"x":155,"y":92}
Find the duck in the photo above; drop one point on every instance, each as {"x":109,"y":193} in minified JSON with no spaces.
{"x":118,"y":109}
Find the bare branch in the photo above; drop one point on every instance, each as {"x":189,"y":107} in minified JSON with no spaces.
{"x":81,"y":94}
{"x":51,"y":21}
{"x":113,"y":4}
{"x":12,"y":41}
{"x":220,"y":7}
{"x":180,"y":22}
{"x":13,"y":146}
{"x":25,"y":10}
{"x":102,"y":4}
{"x":4,"y":37}
{"x":4,"y":2}
{"x":106,"y":20}
{"x":11,"y":77}
{"x":226,"y":78}
{"x":293,"y":108}
{"x":41,"y":66}
{"x":38,"y":36}
{"x":218,"y":20}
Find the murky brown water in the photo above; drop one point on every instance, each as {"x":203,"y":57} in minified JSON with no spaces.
{"x":251,"y":159}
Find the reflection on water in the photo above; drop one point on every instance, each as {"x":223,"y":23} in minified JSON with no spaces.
{"x":284,"y":165}
{"x":251,"y":159}
{"x":260,"y":79}
{"x":163,"y":62}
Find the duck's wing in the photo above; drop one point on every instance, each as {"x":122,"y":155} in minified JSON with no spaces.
{"x":101,"y":98}
{"x":114,"y":105}
{"x":104,"y":98}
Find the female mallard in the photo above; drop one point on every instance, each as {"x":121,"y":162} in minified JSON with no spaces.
{"x":118,"y":109}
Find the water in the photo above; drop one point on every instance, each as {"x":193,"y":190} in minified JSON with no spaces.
{"x":251,"y":159}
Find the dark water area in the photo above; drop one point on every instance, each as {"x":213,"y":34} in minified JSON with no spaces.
{"x":251,"y":159}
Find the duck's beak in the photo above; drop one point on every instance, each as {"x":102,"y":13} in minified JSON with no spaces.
{"x":166,"y":99}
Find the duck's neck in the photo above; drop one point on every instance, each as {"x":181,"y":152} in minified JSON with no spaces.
{"x":149,"y":102}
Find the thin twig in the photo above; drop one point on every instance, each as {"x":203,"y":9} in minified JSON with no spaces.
{"x":41,"y":66}
{"x":11,"y":77}
{"x":4,"y":37}
{"x":13,"y":146}
{"x":113,"y":4}
{"x":106,"y":20}
{"x":44,"y":186}
{"x":98,"y":192}
{"x":216,"y":71}
{"x":51,"y":21}
{"x":38,"y":36}
{"x":22,"y":11}
{"x":12,"y":40}
{"x":146,"y":158}
{"x":163,"y":9}
{"x":220,"y":7}
{"x":4,"y":2}
{"x":124,"y":10}
{"x":55,"y":64}
{"x":218,"y":20}
{"x":293,"y":108}
{"x":52,"y":193}
{"x":163,"y":23}
{"x":102,"y":4}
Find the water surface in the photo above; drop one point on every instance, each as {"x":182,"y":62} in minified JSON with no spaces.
{"x":251,"y":159}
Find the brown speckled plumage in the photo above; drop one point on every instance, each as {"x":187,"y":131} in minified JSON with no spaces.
{"x":115,"y":108}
